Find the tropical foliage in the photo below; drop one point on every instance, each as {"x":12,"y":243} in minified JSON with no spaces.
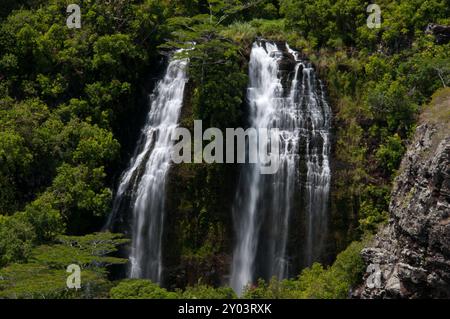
{"x":72,"y":102}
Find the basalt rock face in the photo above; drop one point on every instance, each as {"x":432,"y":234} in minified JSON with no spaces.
{"x":410,"y":257}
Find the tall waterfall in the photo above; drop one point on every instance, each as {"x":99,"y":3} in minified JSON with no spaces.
{"x":292,"y":102}
{"x":142,"y":186}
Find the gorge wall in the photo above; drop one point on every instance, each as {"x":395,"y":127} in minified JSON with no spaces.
{"x":410,"y":257}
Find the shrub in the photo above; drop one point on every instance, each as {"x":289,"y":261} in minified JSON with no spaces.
{"x":16,"y":238}
{"x":140,"y":289}
{"x":390,"y":153}
{"x":317,"y":282}
{"x":207,"y":292}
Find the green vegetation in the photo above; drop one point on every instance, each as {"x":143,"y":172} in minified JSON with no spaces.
{"x":333,"y":282}
{"x":145,"y":289}
{"x":44,"y":274}
{"x":140,"y":289}
{"x":315,"y":282}
{"x":71,"y":103}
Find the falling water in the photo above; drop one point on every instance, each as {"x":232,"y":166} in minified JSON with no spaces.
{"x":264,"y":204}
{"x":318,"y":177}
{"x":146,"y":176}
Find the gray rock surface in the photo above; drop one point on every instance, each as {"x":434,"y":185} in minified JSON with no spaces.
{"x":410,"y":257}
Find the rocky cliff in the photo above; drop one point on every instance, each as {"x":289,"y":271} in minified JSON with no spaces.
{"x":410,"y":257}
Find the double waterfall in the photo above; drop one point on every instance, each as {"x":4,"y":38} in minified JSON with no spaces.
{"x":280,"y":220}
{"x":142,"y":187}
{"x":292,"y":100}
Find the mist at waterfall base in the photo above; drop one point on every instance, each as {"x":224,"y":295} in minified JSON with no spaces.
{"x":292,"y":100}
{"x":142,"y":187}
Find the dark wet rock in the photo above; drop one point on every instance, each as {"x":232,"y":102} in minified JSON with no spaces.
{"x":441,"y":32}
{"x":287,"y":61}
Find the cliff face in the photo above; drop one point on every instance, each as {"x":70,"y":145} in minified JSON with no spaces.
{"x":410,"y":257}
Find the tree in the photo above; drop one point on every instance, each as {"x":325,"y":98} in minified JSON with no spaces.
{"x":78,"y":193}
{"x":390,"y":153}
{"x":44,"y":276}
{"x":47,"y":222}
{"x":16,"y":238}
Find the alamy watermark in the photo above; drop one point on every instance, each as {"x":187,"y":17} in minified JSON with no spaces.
{"x":254,"y":145}
{"x":74,"y":19}
{"x":74,"y":279}
{"x":374,"y":279}
{"x":374,"y":19}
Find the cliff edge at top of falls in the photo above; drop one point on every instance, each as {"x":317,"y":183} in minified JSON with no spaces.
{"x":410,"y":257}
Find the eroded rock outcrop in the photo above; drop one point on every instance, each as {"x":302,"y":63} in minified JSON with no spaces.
{"x":410,"y":257}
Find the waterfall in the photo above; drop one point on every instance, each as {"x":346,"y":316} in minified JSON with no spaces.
{"x":142,"y":187}
{"x":318,"y":178}
{"x":291,"y":102}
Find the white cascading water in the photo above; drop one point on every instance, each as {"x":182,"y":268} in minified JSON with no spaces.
{"x":147,"y":174}
{"x":300,"y":115}
{"x":318,"y":167}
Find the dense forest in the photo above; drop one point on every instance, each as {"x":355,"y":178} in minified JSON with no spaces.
{"x":73,"y":102}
